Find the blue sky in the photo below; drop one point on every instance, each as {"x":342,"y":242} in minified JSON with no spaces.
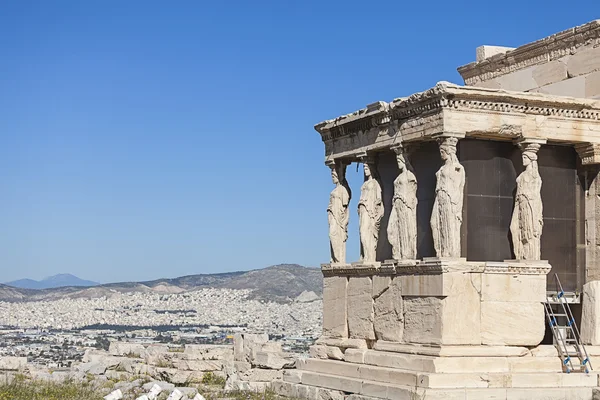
{"x":147,"y":139}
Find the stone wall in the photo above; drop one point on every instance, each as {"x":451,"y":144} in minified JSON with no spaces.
{"x":564,"y":64}
{"x":465,"y":304}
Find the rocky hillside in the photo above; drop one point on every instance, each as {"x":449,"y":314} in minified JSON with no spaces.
{"x":281,"y":283}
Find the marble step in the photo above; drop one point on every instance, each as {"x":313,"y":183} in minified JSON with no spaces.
{"x":360,"y":389}
{"x":421,"y":363}
{"x":442,"y":380}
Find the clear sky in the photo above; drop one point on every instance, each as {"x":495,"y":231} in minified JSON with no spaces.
{"x":148,"y":139}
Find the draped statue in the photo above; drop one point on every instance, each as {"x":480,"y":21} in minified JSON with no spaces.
{"x":370,"y":212}
{"x":338,"y":214}
{"x":402,"y":225}
{"x":446,"y":216}
{"x":527,"y":219}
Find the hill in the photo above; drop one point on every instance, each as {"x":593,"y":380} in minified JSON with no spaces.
{"x":56,"y":281}
{"x":280,"y":283}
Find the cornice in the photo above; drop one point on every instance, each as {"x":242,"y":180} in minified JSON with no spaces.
{"x":538,"y":52}
{"x":448,"y":96}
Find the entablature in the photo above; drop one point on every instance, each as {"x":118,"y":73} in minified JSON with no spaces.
{"x":462,"y":110}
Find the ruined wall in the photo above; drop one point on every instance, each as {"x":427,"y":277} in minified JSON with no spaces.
{"x":564,"y":64}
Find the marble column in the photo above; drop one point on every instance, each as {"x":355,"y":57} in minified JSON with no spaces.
{"x":527,"y":220}
{"x":402,"y":225}
{"x":338,"y":213}
{"x":370,"y":212}
{"x":446,"y":215}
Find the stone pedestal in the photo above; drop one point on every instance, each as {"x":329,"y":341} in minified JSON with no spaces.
{"x":441,"y":328}
{"x":437,"y":302}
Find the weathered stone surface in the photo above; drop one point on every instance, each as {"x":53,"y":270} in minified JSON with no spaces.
{"x":573,"y":87}
{"x":246,"y":345}
{"x":344,"y":343}
{"x":520,"y":81}
{"x":501,"y":325}
{"x":335,"y":353}
{"x":423,"y":320}
{"x":360,"y":308}
{"x":335,"y":317}
{"x":318,"y":351}
{"x":123,"y":348}
{"x":274,"y":360}
{"x":590,"y":314}
{"x":513,"y":288}
{"x":452,"y":319}
{"x":483,"y":52}
{"x":355,"y":355}
{"x":261,"y":375}
{"x":592,"y":85}
{"x":584,"y":62}
{"x":388,"y":317}
{"x":461,"y":310}
{"x":198,"y":365}
{"x":207,"y":352}
{"x":552,"y":72}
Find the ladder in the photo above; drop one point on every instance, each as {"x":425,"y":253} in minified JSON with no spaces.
{"x":566,"y":337}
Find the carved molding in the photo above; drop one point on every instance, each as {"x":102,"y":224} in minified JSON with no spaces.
{"x":422,"y":107}
{"x":589,"y":153}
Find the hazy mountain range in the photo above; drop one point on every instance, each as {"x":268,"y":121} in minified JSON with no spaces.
{"x":279,"y":283}
{"x":56,"y":281}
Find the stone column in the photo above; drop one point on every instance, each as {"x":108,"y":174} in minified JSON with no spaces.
{"x":370,"y":212}
{"x":402,"y":225}
{"x":527,"y":219}
{"x":447,"y":212}
{"x":590,"y":161}
{"x":589,"y":154}
{"x":338,"y":213}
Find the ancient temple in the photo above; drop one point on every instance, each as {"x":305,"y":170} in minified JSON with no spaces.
{"x":474,"y":197}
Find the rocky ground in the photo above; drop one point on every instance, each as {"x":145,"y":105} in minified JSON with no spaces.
{"x":131,"y":370}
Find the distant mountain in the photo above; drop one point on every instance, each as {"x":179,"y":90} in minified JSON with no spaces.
{"x":281,"y":283}
{"x":52,"y":282}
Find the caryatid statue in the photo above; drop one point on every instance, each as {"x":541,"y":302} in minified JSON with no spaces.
{"x":402,"y":225}
{"x":338,"y":213}
{"x":446,"y":216}
{"x":527,"y":219}
{"x":370,"y":212}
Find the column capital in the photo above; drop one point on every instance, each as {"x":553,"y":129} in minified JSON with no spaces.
{"x":589,"y":153}
{"x":529,"y":144}
{"x":445,"y":135}
{"x":366,"y":158}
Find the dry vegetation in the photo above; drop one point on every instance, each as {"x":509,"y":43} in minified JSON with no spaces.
{"x":21,"y":388}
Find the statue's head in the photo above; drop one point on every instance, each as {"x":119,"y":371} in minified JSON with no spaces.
{"x":367,"y":170}
{"x":529,"y":157}
{"x":448,"y":148}
{"x":334,"y":175}
{"x":529,"y":153}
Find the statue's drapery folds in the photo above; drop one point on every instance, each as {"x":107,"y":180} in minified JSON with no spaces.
{"x":446,"y":216}
{"x":338,"y":213}
{"x":402,"y":225}
{"x":370,"y":212}
{"x":527,"y":219}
